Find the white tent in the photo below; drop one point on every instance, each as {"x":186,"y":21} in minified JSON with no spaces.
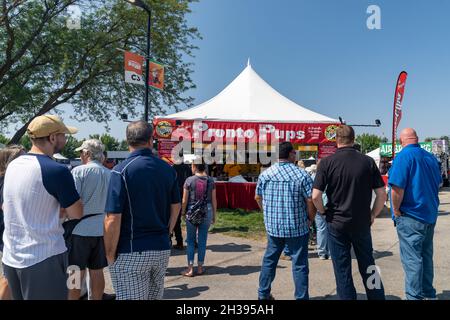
{"x":251,"y":99}
{"x":375,"y":155}
{"x":59,"y":156}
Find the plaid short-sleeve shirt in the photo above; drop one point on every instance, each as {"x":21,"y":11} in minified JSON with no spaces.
{"x":284,"y":188}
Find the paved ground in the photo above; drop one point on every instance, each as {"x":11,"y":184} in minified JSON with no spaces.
{"x":233,"y":266}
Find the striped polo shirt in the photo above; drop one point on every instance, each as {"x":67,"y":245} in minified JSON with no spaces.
{"x":35,"y":189}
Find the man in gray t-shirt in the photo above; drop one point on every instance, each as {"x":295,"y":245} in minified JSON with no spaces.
{"x":87,"y":247}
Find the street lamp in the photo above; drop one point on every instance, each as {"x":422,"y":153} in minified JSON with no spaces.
{"x":141,"y":4}
{"x":377,"y":123}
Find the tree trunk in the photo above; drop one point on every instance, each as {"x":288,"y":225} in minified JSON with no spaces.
{"x":16,"y":138}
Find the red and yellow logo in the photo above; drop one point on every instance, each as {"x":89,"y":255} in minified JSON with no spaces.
{"x":330,"y":132}
{"x":164,"y":129}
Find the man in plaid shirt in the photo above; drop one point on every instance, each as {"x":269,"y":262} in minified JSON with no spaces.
{"x":284,"y":194}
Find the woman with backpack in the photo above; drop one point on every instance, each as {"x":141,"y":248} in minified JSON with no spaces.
{"x":199,"y":207}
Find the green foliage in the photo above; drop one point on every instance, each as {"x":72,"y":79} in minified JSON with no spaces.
{"x":25,"y":141}
{"x":69,"y":149}
{"x":44,"y":64}
{"x":111,"y":143}
{"x":429,"y":139}
{"x":368,"y":142}
{"x":123,"y":146}
{"x":3,"y":140}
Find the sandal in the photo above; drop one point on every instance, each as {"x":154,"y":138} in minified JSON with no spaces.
{"x":188,"y":273}
{"x":200,"y":273}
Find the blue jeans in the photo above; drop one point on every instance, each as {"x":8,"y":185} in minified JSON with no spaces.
{"x":298,"y":250}
{"x":200,"y":231}
{"x":416,"y":253}
{"x":340,"y":244}
{"x":322,"y":235}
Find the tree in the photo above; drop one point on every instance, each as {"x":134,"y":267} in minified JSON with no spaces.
{"x":69,"y":149}
{"x":368,"y":142}
{"x":43,"y":64}
{"x":3,"y":140}
{"x":447,"y":138}
{"x":25,"y":141}
{"x":123,"y":146}
{"x":111,"y":143}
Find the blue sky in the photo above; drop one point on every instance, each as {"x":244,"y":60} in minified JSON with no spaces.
{"x":320,"y":54}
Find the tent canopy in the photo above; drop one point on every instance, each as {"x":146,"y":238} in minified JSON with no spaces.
{"x":250,"y":99}
{"x":375,"y":155}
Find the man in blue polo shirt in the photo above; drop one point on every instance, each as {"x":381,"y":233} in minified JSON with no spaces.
{"x":142,"y":208}
{"x":414,"y":179}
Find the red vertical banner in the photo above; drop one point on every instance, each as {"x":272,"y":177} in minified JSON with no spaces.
{"x":133,"y":68}
{"x":397,"y":113}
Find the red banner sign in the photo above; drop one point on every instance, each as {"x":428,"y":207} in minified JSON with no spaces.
{"x":133,"y":68}
{"x":398,"y":100}
{"x":326,"y":150}
{"x":208,"y":131}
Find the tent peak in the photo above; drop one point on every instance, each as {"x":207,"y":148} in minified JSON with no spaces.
{"x":249,"y":64}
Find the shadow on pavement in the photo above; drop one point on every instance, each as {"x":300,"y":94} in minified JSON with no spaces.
{"x":443,"y":213}
{"x":381,"y":254}
{"x":376,"y":254}
{"x":360,"y":296}
{"x":235,"y":270}
{"x":228,"y":229}
{"x":214,"y":270}
{"x":183,"y":292}
{"x":230,"y":247}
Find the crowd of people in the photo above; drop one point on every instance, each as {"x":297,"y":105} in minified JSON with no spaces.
{"x":92,"y":218}
{"x":341,"y":194}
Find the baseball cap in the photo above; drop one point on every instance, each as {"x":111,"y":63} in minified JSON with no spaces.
{"x":94,"y":146}
{"x":45,"y":125}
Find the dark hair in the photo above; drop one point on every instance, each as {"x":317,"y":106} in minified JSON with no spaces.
{"x":200,"y":167}
{"x":345,"y":135}
{"x":285,"y":148}
{"x":139,"y":133}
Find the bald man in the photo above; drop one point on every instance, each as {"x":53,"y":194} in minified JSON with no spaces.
{"x":414,"y":180}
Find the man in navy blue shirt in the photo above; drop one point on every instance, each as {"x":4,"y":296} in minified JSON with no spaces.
{"x":414,"y":179}
{"x":142,"y":208}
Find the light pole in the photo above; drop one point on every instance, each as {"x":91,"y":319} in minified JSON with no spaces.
{"x":141,"y":4}
{"x":377,"y":123}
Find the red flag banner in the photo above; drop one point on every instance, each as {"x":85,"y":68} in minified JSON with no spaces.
{"x":156,"y":76}
{"x":398,"y":100}
{"x":133,"y":68}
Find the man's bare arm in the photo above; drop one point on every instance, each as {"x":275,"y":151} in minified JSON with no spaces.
{"x":185,"y":201}
{"x":311,"y":209}
{"x":75,"y":211}
{"x":111,"y":235}
{"x":174,"y":212}
{"x":318,"y":201}
{"x":378,"y":205}
{"x":397,"y":199}
{"x":258,"y":200}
